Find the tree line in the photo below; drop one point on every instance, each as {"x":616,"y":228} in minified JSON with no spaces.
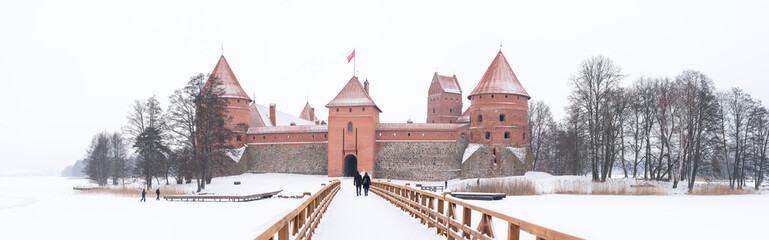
{"x":185,"y":142}
{"x":673,"y":129}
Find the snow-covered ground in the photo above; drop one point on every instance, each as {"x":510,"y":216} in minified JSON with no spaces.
{"x":48,"y":208}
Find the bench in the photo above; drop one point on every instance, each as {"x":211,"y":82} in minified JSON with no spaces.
{"x":432,"y":188}
{"x":478,"y":196}
{"x":220,"y":198}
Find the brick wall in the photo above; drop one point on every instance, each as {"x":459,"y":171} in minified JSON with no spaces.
{"x":282,"y":158}
{"x":481,"y":164}
{"x":420,"y":161}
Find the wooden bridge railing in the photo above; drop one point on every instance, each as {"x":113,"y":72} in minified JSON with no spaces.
{"x":303,"y":220}
{"x":440,"y":212}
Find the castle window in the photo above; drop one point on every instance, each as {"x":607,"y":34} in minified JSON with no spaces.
{"x":524,"y":136}
{"x":501,"y":117}
{"x":337,"y":109}
{"x":505,"y":96}
{"x":313,"y":136}
{"x":494,"y":151}
{"x":433,"y":110}
{"x":449,"y":121}
{"x":507,"y":135}
{"x":324,"y":135}
{"x":364,"y":109}
{"x":451,"y":110}
{"x":350,"y":109}
{"x":409,"y":134}
{"x":349,"y":126}
{"x":239,"y":139}
{"x":264,"y":137}
{"x":488,"y":135}
{"x":517,"y":97}
{"x":433,"y":121}
{"x":276,"y":136}
{"x":492,"y":96}
{"x":253,"y":138}
{"x":480,"y":118}
{"x":444,"y":99}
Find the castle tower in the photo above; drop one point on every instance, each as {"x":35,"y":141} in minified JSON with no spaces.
{"x":352,"y":120}
{"x":444,"y":100}
{"x":237,"y":101}
{"x":499,"y":107}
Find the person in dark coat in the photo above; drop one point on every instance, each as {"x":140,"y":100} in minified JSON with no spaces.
{"x":366,"y":183}
{"x":158,"y":193}
{"x":144,"y":193}
{"x":357,"y":181}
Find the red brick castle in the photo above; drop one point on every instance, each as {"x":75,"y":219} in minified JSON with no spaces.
{"x":489,"y":139}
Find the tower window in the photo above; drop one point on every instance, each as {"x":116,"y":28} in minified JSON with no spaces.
{"x":337,"y":109}
{"x":492,"y":96}
{"x":239,"y":139}
{"x":433,"y":121}
{"x":264,"y":137}
{"x":433,"y":110}
{"x":501,"y":117}
{"x":350,"y":109}
{"x":409,"y":134}
{"x":451,"y":110}
{"x":487,"y":135}
{"x":450,"y":121}
{"x":524,"y":136}
{"x":480,"y":118}
{"x":505,"y":96}
{"x":253,"y":138}
{"x":349,"y":126}
{"x":507,"y":135}
{"x":364,"y":109}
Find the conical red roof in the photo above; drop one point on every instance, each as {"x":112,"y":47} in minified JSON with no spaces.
{"x":307,"y":113}
{"x":353,"y":95}
{"x":230,"y":84}
{"x":500,"y":79}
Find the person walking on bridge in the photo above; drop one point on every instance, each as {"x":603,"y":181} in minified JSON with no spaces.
{"x":366,"y":182}
{"x":357,"y":181}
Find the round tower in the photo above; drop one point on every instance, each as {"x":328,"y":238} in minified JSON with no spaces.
{"x":237,"y":101}
{"x":499,"y":107}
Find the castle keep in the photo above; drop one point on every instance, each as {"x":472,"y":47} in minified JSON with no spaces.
{"x":488,"y":139}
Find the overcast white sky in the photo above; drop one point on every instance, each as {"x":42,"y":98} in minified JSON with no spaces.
{"x":71,"y":68}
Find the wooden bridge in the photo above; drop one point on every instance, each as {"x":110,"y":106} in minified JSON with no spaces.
{"x":437,"y":212}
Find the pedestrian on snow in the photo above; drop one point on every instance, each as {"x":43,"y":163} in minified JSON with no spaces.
{"x":158,"y":193}
{"x":366,"y":183}
{"x":144,"y":193}
{"x":357,"y":181}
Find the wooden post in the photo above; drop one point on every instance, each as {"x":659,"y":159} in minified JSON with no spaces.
{"x":466,"y":216}
{"x":283,"y":233}
{"x":513,"y":231}
{"x":484,"y":227}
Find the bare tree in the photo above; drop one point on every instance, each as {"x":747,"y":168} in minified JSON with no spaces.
{"x":97,"y":161}
{"x":596,"y":77}
{"x":211,"y":128}
{"x":119,"y":157}
{"x":540,"y":121}
{"x":739,"y":107}
{"x":182,"y":117}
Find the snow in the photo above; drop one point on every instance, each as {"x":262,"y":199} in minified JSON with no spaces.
{"x":471,"y":148}
{"x":235,"y":154}
{"x":48,"y":208}
{"x":520,"y":153}
{"x":368,"y":217}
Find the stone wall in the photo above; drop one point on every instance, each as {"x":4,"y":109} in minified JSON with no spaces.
{"x":301,"y":159}
{"x":420,"y":161}
{"x":481,"y":164}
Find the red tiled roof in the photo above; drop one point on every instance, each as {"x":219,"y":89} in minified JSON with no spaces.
{"x":306,"y":113}
{"x":256,"y":117}
{"x":353,"y":95}
{"x":465,"y":117}
{"x":229,"y":82}
{"x":499,"y":78}
{"x":418,"y":126}
{"x":448,"y":84}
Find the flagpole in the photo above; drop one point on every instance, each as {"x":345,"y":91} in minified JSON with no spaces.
{"x":354,"y":61}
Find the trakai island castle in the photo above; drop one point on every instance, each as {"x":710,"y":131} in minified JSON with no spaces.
{"x":489,"y":139}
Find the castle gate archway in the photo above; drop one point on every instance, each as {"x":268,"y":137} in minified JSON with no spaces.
{"x":350,"y":165}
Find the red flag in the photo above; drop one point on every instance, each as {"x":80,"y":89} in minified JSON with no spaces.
{"x":352,"y":55}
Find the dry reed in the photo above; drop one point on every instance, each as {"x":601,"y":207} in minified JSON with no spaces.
{"x":135,"y":191}
{"x":720,"y":189}
{"x":605,"y":188}
{"x":510,"y":187}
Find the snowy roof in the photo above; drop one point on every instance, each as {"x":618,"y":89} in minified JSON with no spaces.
{"x":465,"y":117}
{"x":418,"y":126}
{"x":448,"y":84}
{"x":499,"y":78}
{"x":229,"y":82}
{"x":289,"y":129}
{"x":308,"y":114}
{"x":260,"y":117}
{"x":353,"y":95}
